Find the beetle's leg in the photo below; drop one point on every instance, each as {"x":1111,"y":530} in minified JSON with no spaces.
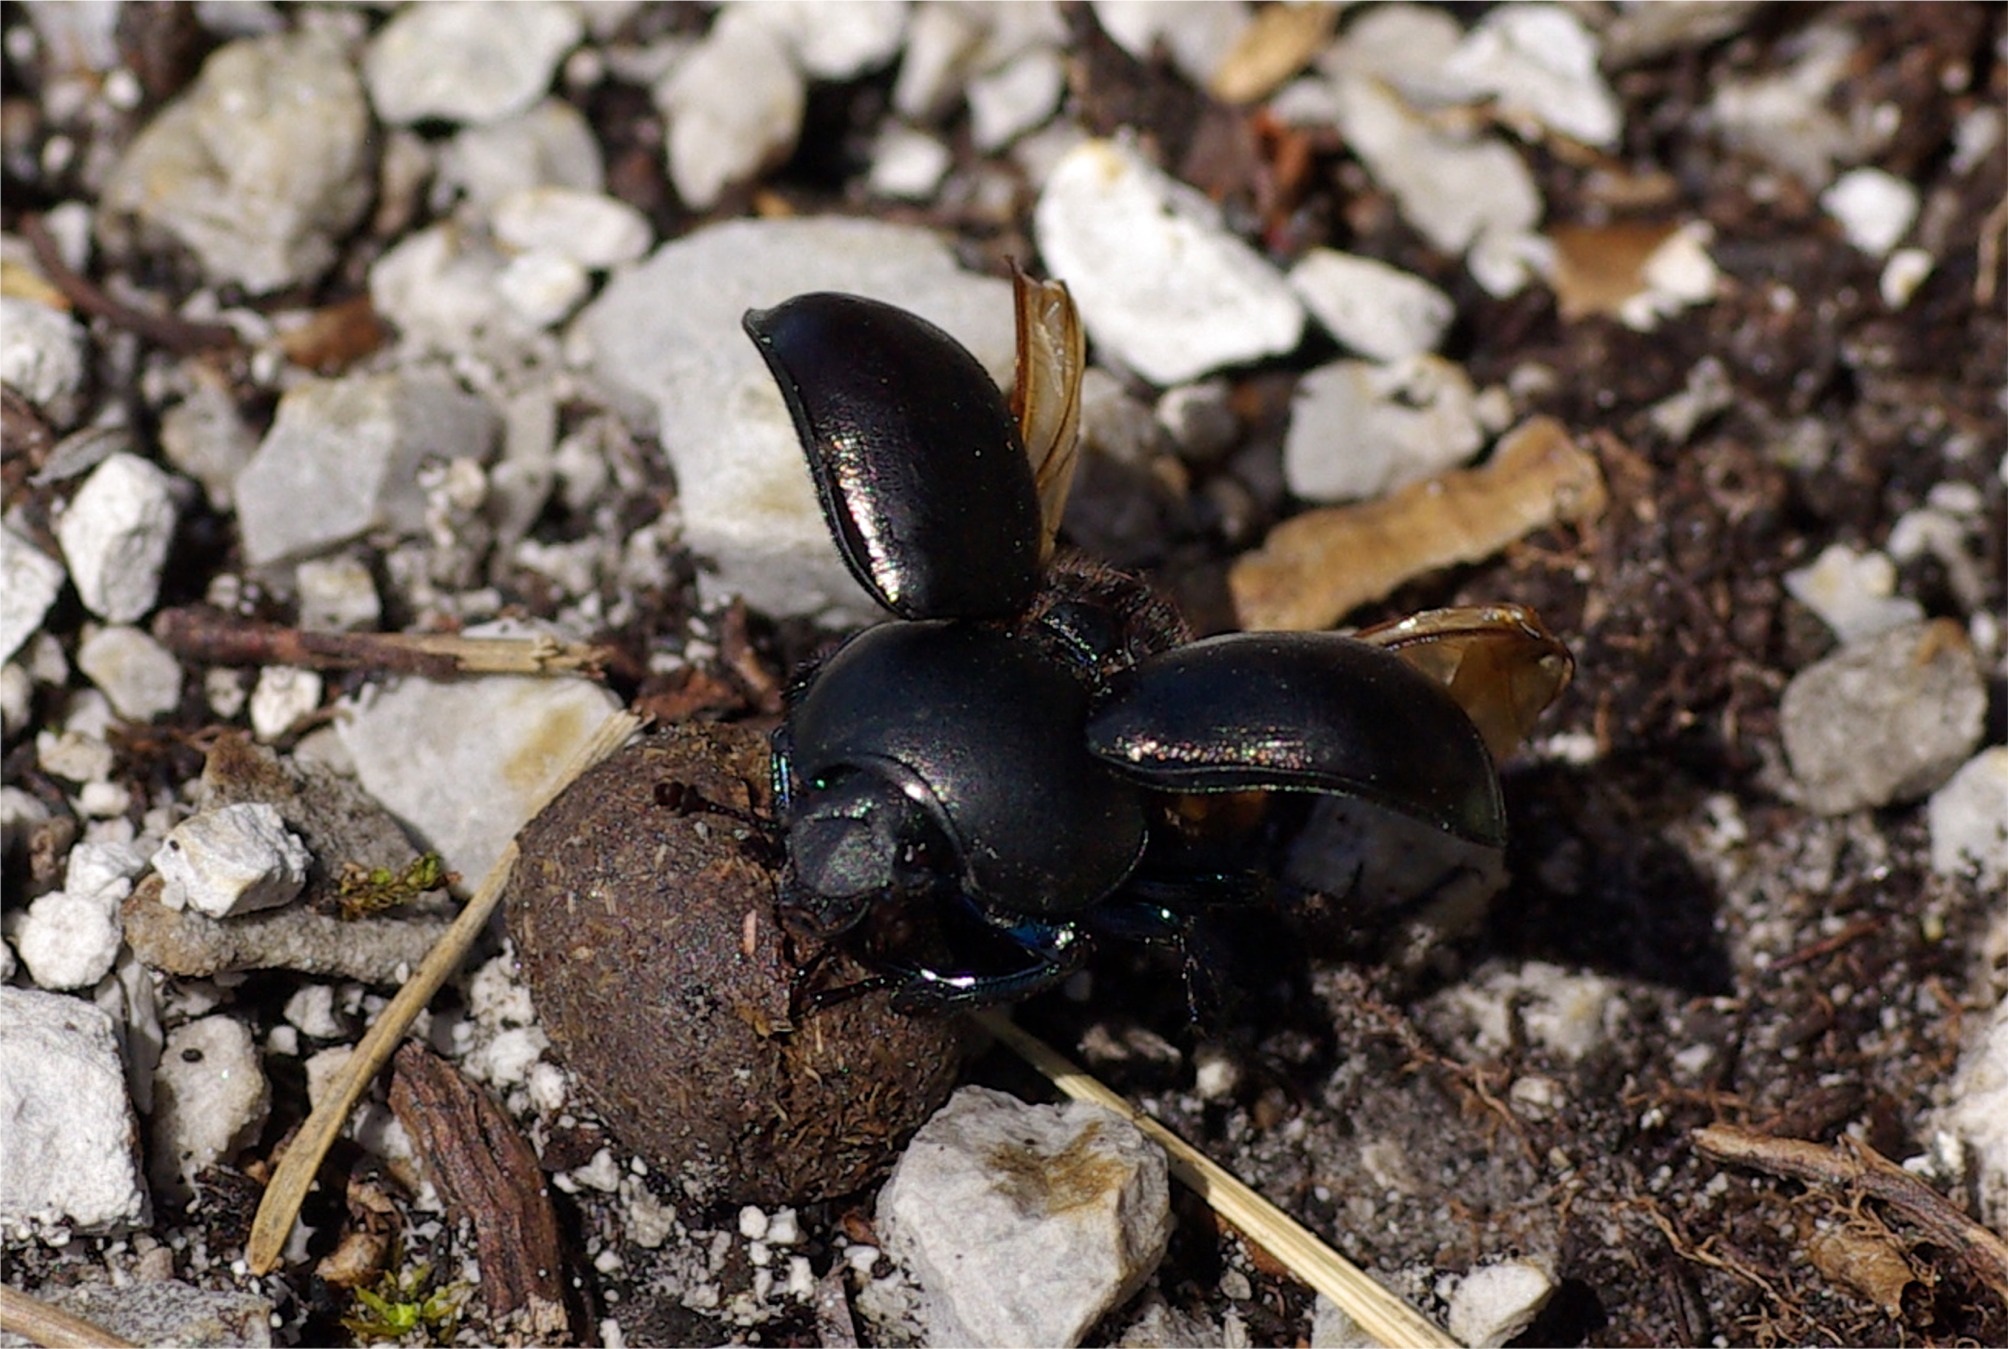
{"x":1056,"y":951}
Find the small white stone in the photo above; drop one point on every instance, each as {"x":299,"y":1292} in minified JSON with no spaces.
{"x":1679,"y":274}
{"x":1199,"y":418}
{"x":551,"y":145}
{"x":438,"y":286}
{"x":41,"y":354}
{"x":210,"y":1098}
{"x":1977,"y":1114}
{"x":1379,"y":311}
{"x":1007,"y":102}
{"x":907,"y":164}
{"x":1969,"y":820}
{"x":75,"y":756}
{"x":1853,"y":593}
{"x":284,"y":694}
{"x":543,"y":288}
{"x":1903,"y":274}
{"x":1162,"y":286}
{"x":467,"y":62}
{"x":589,"y":228}
{"x":30,"y":580}
{"x":752,"y":1222}
{"x":73,"y":1155}
{"x":1538,"y":64}
{"x":837,"y":40}
{"x":17,"y":699}
{"x":942,"y":42}
{"x":734,"y":106}
{"x":139,"y":675}
{"x":231,"y":860}
{"x":115,"y":535}
{"x":1875,"y":209}
{"x":1196,"y":37}
{"x":1359,"y":430}
{"x":311,"y":1009}
{"x":337,"y":594}
{"x":68,"y":941}
{"x":1495,"y":1303}
{"x":468,"y":763}
{"x":1457,"y":190}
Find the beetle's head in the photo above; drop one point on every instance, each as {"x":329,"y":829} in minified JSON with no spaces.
{"x":856,"y":838}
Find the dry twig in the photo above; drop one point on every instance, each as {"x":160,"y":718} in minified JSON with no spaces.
{"x":211,"y":637}
{"x":52,"y":1327}
{"x":1861,"y":1167}
{"x":179,"y":335}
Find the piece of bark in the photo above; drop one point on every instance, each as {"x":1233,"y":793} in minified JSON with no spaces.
{"x":487,"y":1173}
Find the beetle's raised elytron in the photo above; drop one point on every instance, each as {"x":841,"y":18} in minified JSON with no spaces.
{"x":1033,"y":753}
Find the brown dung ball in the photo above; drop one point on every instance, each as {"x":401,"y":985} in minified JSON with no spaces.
{"x":644,"y":922}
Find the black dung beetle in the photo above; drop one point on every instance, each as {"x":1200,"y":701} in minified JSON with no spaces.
{"x":1036,"y":753}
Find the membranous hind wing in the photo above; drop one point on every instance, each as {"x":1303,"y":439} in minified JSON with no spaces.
{"x":1499,"y":663}
{"x":1046,"y":395}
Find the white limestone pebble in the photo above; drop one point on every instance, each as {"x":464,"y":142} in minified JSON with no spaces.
{"x":230,"y":860}
{"x":1853,"y":593}
{"x":210,"y":1098}
{"x":68,"y":941}
{"x":41,"y":355}
{"x":353,"y":447}
{"x":733,"y":107}
{"x":1969,"y":820}
{"x":549,"y":145}
{"x":1025,"y":1224}
{"x":1463,"y":192}
{"x":666,"y":333}
{"x":589,"y":228}
{"x":30,"y":580}
{"x":1359,"y":429}
{"x":467,"y":763}
{"x":1379,"y":311}
{"x":1163,"y":287}
{"x":1011,"y":100}
{"x":262,"y":165}
{"x":1537,"y":64}
{"x":907,"y":163}
{"x":837,"y":39}
{"x":468,"y":62}
{"x":73,"y":1154}
{"x":1886,"y":718}
{"x":1195,"y":37}
{"x":115,"y":534}
{"x":1977,"y":1115}
{"x":337,"y":593}
{"x":1875,"y":208}
{"x":283,"y":695}
{"x":1494,"y":1303}
{"x":141,"y":677}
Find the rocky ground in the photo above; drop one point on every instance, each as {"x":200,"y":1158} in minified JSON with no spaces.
{"x":1680,"y":323}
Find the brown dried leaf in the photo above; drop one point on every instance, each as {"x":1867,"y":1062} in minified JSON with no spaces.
{"x":1869,"y":1262}
{"x":1317,"y":567}
{"x":1280,"y":42}
{"x":1600,"y":267}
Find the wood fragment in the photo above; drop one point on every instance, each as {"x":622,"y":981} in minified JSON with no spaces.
{"x":51,"y":1327}
{"x":1317,"y":567}
{"x":487,"y":1173}
{"x":295,"y":1173}
{"x":1279,"y":42}
{"x":835,"y":1327}
{"x":211,"y":637}
{"x":175,"y":334}
{"x":1860,"y":1167}
{"x":1379,"y":1313}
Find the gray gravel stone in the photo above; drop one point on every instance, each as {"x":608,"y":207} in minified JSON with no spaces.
{"x":210,"y":1098}
{"x":352,"y":447}
{"x":115,"y":535}
{"x":1025,"y":1224}
{"x":1886,"y":718}
{"x":30,"y":580}
{"x":466,"y":764}
{"x":467,"y":62}
{"x":73,"y":1159}
{"x":231,"y":860}
{"x":1969,"y":819}
{"x":261,"y":165}
{"x":41,"y":355}
{"x":1162,"y":286}
{"x":140,"y":677}
{"x":1359,"y":429}
{"x":172,"y":1312}
{"x":667,"y":334}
